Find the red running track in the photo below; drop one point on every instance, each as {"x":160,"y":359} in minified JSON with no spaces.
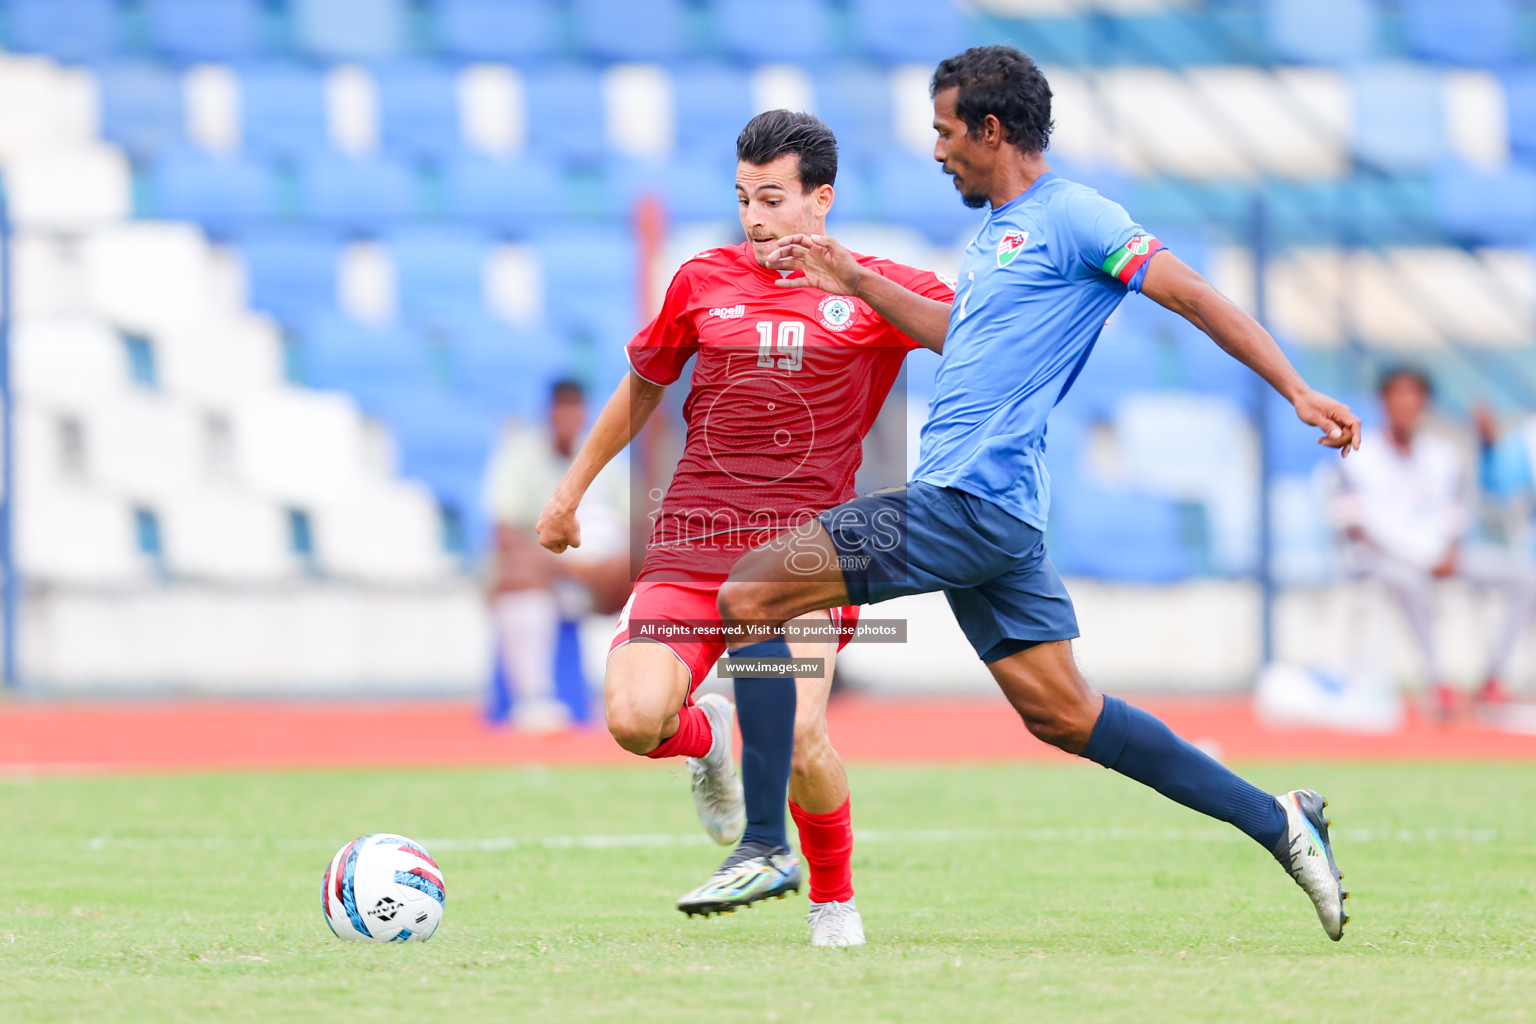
{"x":188,"y":735}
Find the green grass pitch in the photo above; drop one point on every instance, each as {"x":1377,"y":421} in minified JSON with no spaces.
{"x":1030,"y":893}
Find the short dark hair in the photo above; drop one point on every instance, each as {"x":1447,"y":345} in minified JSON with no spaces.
{"x":773,"y":133}
{"x":1004,"y":82}
{"x":1402,"y":371}
{"x":566,"y":390}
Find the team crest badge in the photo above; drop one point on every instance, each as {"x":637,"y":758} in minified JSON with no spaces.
{"x":1010,"y":246}
{"x":836,"y":313}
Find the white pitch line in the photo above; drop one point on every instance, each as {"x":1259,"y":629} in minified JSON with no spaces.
{"x":498,"y":844}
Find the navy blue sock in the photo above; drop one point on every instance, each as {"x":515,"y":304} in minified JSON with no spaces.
{"x":1141,"y":747}
{"x":765,"y":709}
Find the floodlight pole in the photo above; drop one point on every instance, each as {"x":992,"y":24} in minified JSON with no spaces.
{"x":8,"y":588}
{"x":1263,"y":397}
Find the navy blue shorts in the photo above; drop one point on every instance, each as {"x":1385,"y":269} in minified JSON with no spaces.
{"x":992,"y":566}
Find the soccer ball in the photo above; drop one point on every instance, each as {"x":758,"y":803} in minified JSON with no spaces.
{"x":383,"y":888}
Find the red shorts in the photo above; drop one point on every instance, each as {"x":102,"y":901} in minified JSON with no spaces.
{"x":690,"y":606}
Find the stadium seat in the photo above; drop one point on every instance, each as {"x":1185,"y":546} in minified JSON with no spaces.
{"x":370,"y":363}
{"x":290,"y":273}
{"x":852,"y":199}
{"x":79,"y":31}
{"x":283,"y":112}
{"x":502,"y":369}
{"x":1487,"y":207}
{"x":855,"y":102}
{"x":625,"y":30}
{"x":67,"y":362}
{"x":1065,"y":41}
{"x":219,"y":363}
{"x":218,"y":192}
{"x":143,"y":445}
{"x":502,"y":30}
{"x":1171,"y":38}
{"x":1520,"y":101}
{"x":299,"y":446}
{"x":590,"y":279}
{"x":1321,"y":31}
{"x":565,"y":113}
{"x":1119,"y":535}
{"x":149,"y":276}
{"x":909,"y":31}
{"x":223,"y":534}
{"x":69,"y":189}
{"x":77,"y":535}
{"x":350,"y":29}
{"x":46,"y":106}
{"x":1398,"y":117}
{"x":418,"y":109}
{"x":387,"y":532}
{"x":713,"y":103}
{"x":1475,"y":32}
{"x":800,"y":31}
{"x":690,"y":189}
{"x":439,"y":271}
{"x":204,"y":30}
{"x":141,"y":108}
{"x":911,"y":190}
{"x":502,"y":194}
{"x":357,"y":194}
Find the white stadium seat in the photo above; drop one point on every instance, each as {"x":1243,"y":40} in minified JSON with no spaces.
{"x":46,"y":277}
{"x":46,"y":107}
{"x":387,"y":532}
{"x":1293,"y":125}
{"x":352,"y":109}
{"x":492,"y":115}
{"x":75,"y":187}
{"x":77,"y":535}
{"x":212,"y":96}
{"x":221,"y":361}
{"x":298,"y":446}
{"x":225,"y":534}
{"x":151,"y":276}
{"x":638,"y":105}
{"x":143,"y":445}
{"x":69,"y":362}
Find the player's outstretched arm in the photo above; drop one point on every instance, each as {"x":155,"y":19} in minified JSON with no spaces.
{"x":832,"y":268}
{"x":1170,"y":283}
{"x":632,"y":404}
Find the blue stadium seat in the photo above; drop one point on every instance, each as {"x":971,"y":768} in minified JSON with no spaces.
{"x":1071,"y":42}
{"x":418,"y":109}
{"x":1174,"y":39}
{"x":855,"y":102}
{"x":1118,"y":535}
{"x":698,"y":188}
{"x":197,"y":30}
{"x":1126,"y":358}
{"x":359,"y":194}
{"x":799,"y":31}
{"x":912,"y":190}
{"x":350,"y":29}
{"x":713,"y":104}
{"x":371,"y":363}
{"x":853,"y":197}
{"x":909,"y":31}
{"x":506,"y":30}
{"x":565,"y":113}
{"x":76,"y":31}
{"x":1476,"y":32}
{"x":289,"y":273}
{"x":625,"y":30}
{"x":500,"y":368}
{"x":141,"y":108}
{"x":439,"y":271}
{"x":1487,"y":207}
{"x":1399,"y":124}
{"x":221,"y":193}
{"x":282,"y":110}
{"x":590,"y":278}
{"x":1520,"y":103}
{"x":1322,"y":31}
{"x":501,"y":195}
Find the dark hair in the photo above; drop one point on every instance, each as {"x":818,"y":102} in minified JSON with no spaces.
{"x":773,"y":133}
{"x":566,"y":390}
{"x":1392,"y":374}
{"x":1004,"y":82}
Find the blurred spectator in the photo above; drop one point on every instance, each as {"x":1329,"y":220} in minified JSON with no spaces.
{"x":532,"y":591}
{"x":1405,"y":504}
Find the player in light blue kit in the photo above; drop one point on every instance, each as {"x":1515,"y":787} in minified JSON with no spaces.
{"x":1051,"y":262}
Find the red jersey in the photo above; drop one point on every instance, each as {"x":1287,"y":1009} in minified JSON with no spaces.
{"x":787,"y":384}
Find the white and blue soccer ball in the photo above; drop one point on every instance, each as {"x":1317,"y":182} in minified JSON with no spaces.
{"x":383,"y":888}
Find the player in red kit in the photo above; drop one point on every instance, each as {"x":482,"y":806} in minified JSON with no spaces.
{"x":787,"y":381}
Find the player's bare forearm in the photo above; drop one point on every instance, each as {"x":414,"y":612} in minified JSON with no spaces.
{"x":920,"y":318}
{"x":1172,"y":284}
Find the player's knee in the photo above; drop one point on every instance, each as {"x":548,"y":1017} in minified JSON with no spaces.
{"x":811,"y":745}
{"x":740,"y":601}
{"x":1067,"y":726}
{"x":633,"y":728}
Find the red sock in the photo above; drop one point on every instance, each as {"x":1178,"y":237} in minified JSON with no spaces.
{"x":826,"y":843}
{"x":692,"y":739}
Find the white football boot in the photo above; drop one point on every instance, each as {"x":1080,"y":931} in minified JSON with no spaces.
{"x":836,"y":924}
{"x":716,"y":788}
{"x":1304,"y":851}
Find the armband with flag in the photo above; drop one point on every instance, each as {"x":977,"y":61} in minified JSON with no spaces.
{"x":1123,"y":262}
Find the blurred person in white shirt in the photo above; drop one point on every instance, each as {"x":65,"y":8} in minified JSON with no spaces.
{"x":1405,"y":503}
{"x":531,"y":590}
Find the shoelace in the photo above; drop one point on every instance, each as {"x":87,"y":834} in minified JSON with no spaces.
{"x":835,"y":912}
{"x":713,"y":795}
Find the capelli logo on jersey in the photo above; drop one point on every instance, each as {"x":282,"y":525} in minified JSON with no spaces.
{"x":1010,"y":246}
{"x":735,"y":312}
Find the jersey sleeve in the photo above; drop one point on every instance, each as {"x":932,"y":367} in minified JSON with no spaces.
{"x":1108,"y":241}
{"x":663,"y":347}
{"x":928,"y":283}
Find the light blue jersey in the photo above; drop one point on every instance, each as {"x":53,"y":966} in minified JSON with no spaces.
{"x":1036,"y":285}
